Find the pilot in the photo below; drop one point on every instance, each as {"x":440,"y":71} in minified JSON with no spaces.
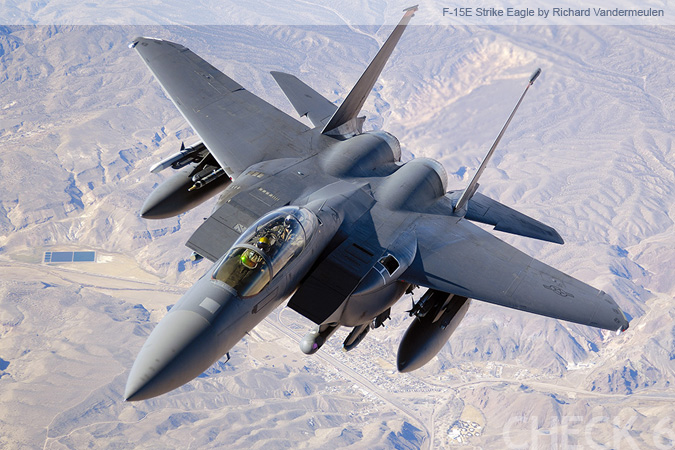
{"x":282,"y":230}
{"x":250,"y":259}
{"x":289,"y":220}
{"x":264,"y":243}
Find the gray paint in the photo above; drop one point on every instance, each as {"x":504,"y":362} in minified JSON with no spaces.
{"x":384,"y":226}
{"x":305,"y":100}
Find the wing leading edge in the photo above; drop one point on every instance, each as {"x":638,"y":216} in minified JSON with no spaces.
{"x":238,"y":128}
{"x":465,"y":260}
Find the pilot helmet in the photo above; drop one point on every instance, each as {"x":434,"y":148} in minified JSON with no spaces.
{"x":248,"y":259}
{"x":263,"y":243}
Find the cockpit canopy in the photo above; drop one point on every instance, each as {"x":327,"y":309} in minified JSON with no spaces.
{"x":263,"y":250}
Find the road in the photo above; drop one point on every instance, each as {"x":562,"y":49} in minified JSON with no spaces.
{"x":275,"y":322}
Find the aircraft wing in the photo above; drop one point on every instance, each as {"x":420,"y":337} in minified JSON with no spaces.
{"x":462,"y":259}
{"x":238,"y":128}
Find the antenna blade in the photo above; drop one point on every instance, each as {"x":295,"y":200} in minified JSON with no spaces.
{"x":473,"y":185}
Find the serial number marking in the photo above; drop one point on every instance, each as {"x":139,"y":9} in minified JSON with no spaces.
{"x":558,"y":290}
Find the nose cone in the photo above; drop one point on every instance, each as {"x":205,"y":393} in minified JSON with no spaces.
{"x":421,"y":342}
{"x":165,"y":361}
{"x":201,"y":327}
{"x":425,"y":337}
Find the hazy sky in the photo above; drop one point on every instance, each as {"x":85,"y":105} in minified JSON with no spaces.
{"x":324,"y":12}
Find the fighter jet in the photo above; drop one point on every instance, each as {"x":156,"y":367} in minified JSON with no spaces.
{"x":329,"y":218}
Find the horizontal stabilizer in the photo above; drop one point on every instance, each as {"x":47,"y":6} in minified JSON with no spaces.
{"x":485,"y":210}
{"x":305,"y":100}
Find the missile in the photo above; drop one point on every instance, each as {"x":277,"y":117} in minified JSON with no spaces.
{"x":428,"y":333}
{"x":381,"y":318}
{"x":181,"y":159}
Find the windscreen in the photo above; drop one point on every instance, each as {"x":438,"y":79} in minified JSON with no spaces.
{"x":263,"y":250}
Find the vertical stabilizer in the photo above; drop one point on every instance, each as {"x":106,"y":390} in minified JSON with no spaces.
{"x":473,"y":185}
{"x":305,"y":100}
{"x":345,"y":120}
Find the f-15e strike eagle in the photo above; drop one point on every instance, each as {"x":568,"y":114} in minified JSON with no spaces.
{"x":331,"y":218}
